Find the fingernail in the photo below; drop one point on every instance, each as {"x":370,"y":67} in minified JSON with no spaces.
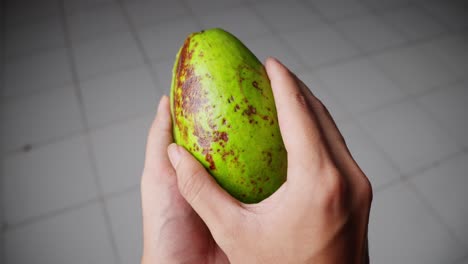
{"x":174,"y":153}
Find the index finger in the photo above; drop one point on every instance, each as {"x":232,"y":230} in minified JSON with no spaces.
{"x":299,"y":127}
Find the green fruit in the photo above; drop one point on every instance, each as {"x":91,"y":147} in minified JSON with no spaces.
{"x":224,"y":114}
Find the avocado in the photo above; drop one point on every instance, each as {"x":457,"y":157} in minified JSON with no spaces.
{"x":224,"y":114}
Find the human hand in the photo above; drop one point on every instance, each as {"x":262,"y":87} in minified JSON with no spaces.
{"x":172,"y":231}
{"x":319,"y":215}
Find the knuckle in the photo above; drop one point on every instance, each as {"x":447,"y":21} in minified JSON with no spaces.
{"x":300,"y":99}
{"x":332,"y":193}
{"x":320,"y":106}
{"x":365,"y":194}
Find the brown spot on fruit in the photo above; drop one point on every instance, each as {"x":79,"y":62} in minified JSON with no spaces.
{"x":260,"y":190}
{"x":189,"y":98}
{"x":210,"y":160}
{"x":226,"y":154}
{"x":269,"y":157}
{"x":250,"y":110}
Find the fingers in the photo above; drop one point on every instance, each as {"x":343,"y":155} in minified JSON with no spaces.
{"x":298,"y":124}
{"x":159,"y":137}
{"x":334,"y":140}
{"x":215,"y":206}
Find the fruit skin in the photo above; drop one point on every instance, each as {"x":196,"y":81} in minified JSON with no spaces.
{"x":224,"y":114}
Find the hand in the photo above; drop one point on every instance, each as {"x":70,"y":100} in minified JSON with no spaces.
{"x":173,"y":232}
{"x":319,"y":215}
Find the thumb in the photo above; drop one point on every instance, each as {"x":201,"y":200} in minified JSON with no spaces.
{"x":214,"y":205}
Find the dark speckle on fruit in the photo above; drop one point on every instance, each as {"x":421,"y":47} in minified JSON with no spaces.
{"x":250,"y":110}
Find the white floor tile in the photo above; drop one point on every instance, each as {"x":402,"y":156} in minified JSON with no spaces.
{"x":444,"y":186}
{"x":162,"y":41}
{"x":48,"y":178}
{"x":448,"y":106}
{"x":411,"y":138}
{"x":269,"y":45}
{"x":108,"y":54}
{"x":242,"y":22}
{"x":2,"y":248}
{"x":451,"y":13}
{"x":56,"y":74}
{"x":163,"y":72}
{"x":205,"y":7}
{"x":25,"y":39}
{"x":126,"y":222}
{"x":120,"y":153}
{"x":414,"y":69}
{"x":359,"y":86}
{"x":401,"y":230}
{"x":26,"y":11}
{"x":75,"y":237}
{"x":35,"y":119}
{"x":147,"y":12}
{"x":452,"y":50}
{"x":96,"y":22}
{"x":383,"y":5}
{"x":338,"y":9}
{"x":369,"y":33}
{"x":322,"y":92}
{"x":320,"y":45}
{"x":413,"y":23}
{"x":285,"y":16}
{"x":464,"y":261}
{"x":118,"y":96}
{"x":74,"y":6}
{"x":368,"y":156}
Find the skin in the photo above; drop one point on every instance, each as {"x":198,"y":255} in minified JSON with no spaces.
{"x":319,"y":215}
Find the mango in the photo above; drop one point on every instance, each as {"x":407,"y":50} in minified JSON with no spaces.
{"x":224,"y":114}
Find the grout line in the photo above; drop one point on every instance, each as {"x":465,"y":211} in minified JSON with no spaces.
{"x":122,"y":192}
{"x":405,"y":177}
{"x":50,"y":214}
{"x":33,"y":146}
{"x":350,"y":116}
{"x":20,"y":150}
{"x":431,"y":14}
{"x":191,"y":13}
{"x":3,"y":226}
{"x":432,"y":211}
{"x":139,"y":43}
{"x":277,"y":36}
{"x":86,"y":8}
{"x":88,"y":142}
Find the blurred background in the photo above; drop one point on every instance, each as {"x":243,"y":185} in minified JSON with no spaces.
{"x":81,"y":79}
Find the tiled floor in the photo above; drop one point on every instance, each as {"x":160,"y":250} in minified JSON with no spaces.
{"x":81,"y":79}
